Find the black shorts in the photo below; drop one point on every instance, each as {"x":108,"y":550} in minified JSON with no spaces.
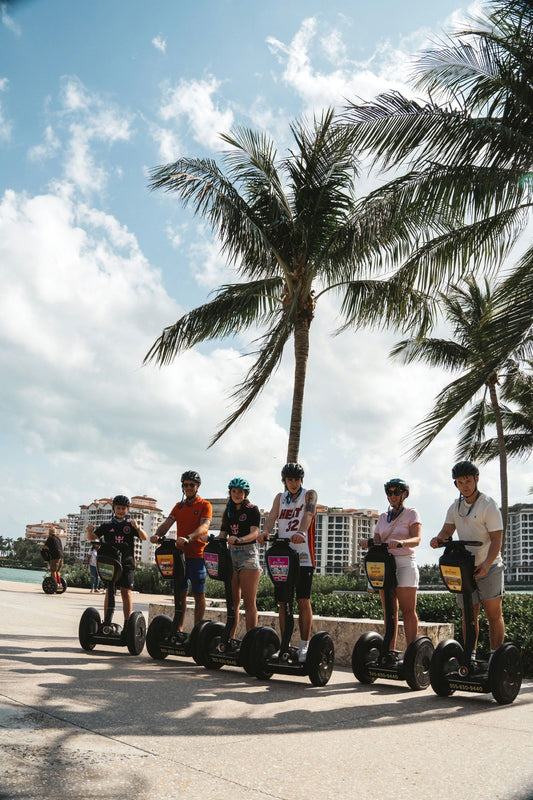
{"x":303,"y":585}
{"x":126,"y":579}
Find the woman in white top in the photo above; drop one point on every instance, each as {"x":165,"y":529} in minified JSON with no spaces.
{"x":401,"y":528}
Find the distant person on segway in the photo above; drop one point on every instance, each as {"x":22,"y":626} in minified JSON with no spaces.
{"x":401,"y":529}
{"x":476,"y":517}
{"x":240,"y":526}
{"x":294,"y":510}
{"x":192,"y":516}
{"x":54,"y":546}
{"x":120,"y":532}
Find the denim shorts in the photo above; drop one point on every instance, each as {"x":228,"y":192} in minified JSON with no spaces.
{"x":195,"y":573}
{"x":245,"y":556}
{"x":489,"y":586}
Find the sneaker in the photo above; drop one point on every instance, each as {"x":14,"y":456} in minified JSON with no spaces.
{"x":302,"y":652}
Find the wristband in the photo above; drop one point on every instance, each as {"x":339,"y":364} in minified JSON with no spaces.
{"x":303,"y":533}
{"x":187,"y":539}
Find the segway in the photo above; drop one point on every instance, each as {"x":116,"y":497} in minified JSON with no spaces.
{"x":92,"y":629}
{"x":164,"y":637}
{"x":50,"y":585}
{"x":452,"y":667}
{"x":264,"y":654}
{"x":372,"y":656}
{"x":215,"y":646}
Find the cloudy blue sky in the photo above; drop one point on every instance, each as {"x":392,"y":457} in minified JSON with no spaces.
{"x":93,"y":265}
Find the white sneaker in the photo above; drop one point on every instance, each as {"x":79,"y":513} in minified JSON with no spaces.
{"x":302,"y":652}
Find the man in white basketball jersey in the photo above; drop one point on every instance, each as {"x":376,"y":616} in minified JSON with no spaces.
{"x":294,"y":510}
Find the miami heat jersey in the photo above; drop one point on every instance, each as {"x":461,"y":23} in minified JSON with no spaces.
{"x":291,"y":511}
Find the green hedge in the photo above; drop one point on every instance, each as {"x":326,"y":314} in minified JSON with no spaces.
{"x":431,"y":607}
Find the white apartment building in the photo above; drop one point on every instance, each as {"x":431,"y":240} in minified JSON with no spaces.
{"x":518,"y":549}
{"x":338,"y":537}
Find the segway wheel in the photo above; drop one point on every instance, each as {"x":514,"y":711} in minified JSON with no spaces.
{"x":88,"y":627}
{"x":505,"y":673}
{"x":320,"y":658}
{"x":445,"y":659}
{"x":416,"y":662}
{"x":366,"y":651}
{"x":266,"y":643}
{"x":49,"y":585}
{"x":135,"y":633}
{"x":208,"y":639}
{"x":194,"y":638}
{"x":247,"y":649}
{"x":159,"y":629}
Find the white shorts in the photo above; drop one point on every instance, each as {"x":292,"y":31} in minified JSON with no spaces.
{"x":407,"y":573}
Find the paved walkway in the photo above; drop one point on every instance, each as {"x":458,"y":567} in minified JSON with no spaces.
{"x":109,"y":725}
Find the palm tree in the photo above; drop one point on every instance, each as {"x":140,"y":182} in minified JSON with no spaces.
{"x":469,"y":152}
{"x":517,"y":419}
{"x":292,"y":231}
{"x":469,"y":311}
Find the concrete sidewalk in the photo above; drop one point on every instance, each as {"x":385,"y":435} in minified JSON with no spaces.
{"x":109,"y":725}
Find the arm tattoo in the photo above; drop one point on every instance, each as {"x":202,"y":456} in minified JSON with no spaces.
{"x":310,"y":508}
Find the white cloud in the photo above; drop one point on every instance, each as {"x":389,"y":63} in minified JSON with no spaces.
{"x":168,"y":143}
{"x":194,"y":101}
{"x":8,"y":22}
{"x":160,"y":44}
{"x":48,"y":148}
{"x":5,"y":125}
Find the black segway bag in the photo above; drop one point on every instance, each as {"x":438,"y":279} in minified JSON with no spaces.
{"x":218,"y":559}
{"x":109,"y":563}
{"x":283,"y":565}
{"x":380,"y":567}
{"x":170,"y":561}
{"x":45,"y":554}
{"x":456,"y":566}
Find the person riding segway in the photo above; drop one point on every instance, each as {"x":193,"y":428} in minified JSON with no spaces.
{"x":181,"y":560}
{"x":115,"y":564}
{"x":472,"y":568}
{"x":233,"y":557}
{"x":290,"y":564}
{"x":391,"y":569}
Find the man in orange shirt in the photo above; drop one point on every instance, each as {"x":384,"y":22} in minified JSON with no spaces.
{"x":192,"y":516}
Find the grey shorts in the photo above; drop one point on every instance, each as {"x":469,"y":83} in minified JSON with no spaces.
{"x":488,"y":587}
{"x":245,"y":556}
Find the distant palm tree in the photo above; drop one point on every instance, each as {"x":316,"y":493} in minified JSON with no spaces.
{"x":469,"y":310}
{"x":292,"y":231}
{"x":469,"y":152}
{"x":517,"y":419}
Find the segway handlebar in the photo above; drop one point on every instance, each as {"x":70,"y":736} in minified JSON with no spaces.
{"x":469,"y":542}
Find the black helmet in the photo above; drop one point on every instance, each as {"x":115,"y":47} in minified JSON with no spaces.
{"x":464,"y":468}
{"x":239,"y":483}
{"x":292,"y":470}
{"x":191,"y":475}
{"x":397,"y":483}
{"x":120,"y":500}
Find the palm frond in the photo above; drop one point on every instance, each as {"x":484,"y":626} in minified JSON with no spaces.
{"x":236,"y":307}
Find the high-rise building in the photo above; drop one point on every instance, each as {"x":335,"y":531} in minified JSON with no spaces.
{"x":518,"y":549}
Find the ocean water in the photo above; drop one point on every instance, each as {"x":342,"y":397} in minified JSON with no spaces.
{"x":21,"y":575}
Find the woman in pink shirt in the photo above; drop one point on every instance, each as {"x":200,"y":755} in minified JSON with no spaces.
{"x":401,"y":528}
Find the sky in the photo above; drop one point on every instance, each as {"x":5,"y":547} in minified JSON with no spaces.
{"x":94,"y":265}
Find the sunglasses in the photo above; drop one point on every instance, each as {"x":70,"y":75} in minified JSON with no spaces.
{"x":189,"y":485}
{"x":395,"y":492}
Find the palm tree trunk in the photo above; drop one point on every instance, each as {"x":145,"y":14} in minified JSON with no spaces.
{"x":504,"y":489}
{"x":301,"y":353}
